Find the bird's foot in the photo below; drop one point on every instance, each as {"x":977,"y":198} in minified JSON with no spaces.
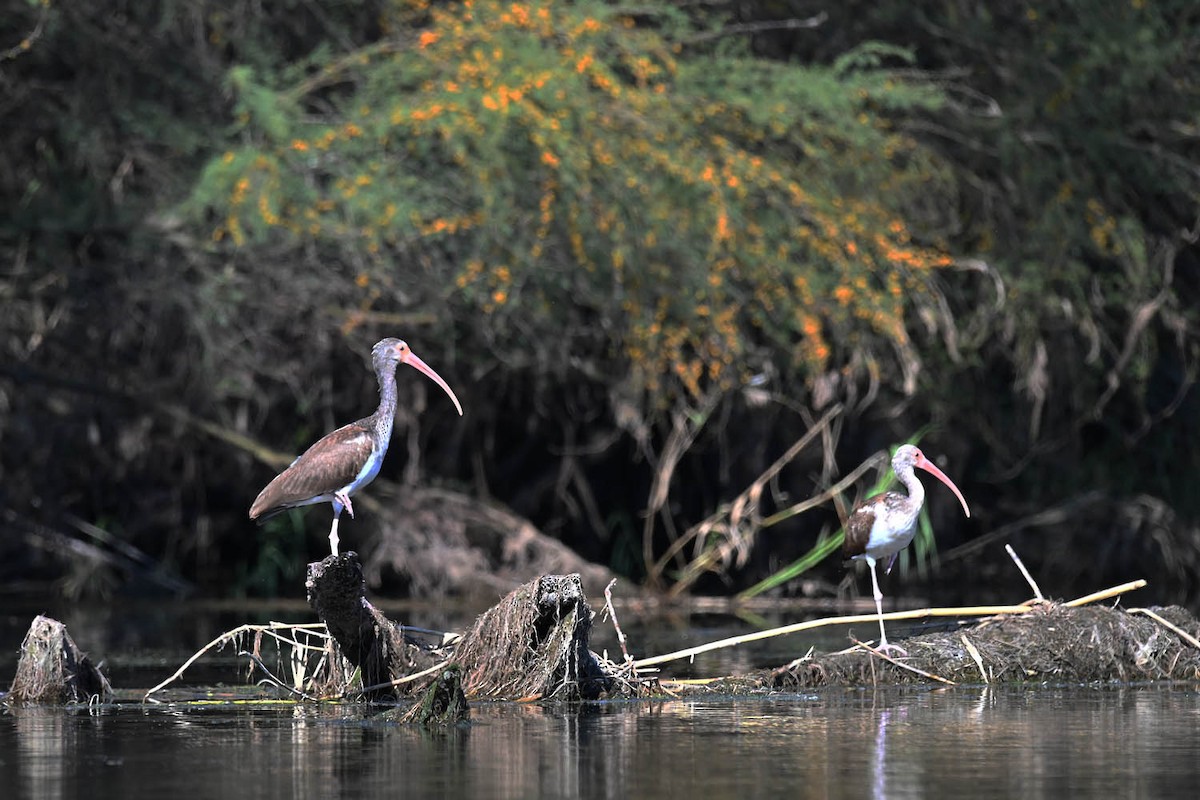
{"x":889,"y":649}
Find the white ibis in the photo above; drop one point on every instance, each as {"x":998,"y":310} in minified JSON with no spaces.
{"x":884,"y":525}
{"x":344,"y":461}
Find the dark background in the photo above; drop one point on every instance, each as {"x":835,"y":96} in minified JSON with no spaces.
{"x":148,"y":367}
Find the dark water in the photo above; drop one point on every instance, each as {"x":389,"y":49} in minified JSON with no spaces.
{"x":1141,"y":741}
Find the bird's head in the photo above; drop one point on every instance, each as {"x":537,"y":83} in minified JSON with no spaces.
{"x":388,"y":353}
{"x":909,"y":456}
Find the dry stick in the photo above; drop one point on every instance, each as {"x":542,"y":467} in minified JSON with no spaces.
{"x":982,"y":611}
{"x":699,"y":565}
{"x":398,"y":681}
{"x":967,"y":611}
{"x":705,"y":561}
{"x":974,"y":651}
{"x":612,"y":614}
{"x":678,"y":442}
{"x":316,"y":628}
{"x":1104,"y":594}
{"x":1192,"y":640}
{"x":880,"y":654}
{"x":1028,"y":578}
{"x":758,"y":482}
{"x":271,"y":676}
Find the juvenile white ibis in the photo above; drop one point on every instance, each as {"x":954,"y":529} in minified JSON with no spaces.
{"x":344,"y":461}
{"x":884,"y":525}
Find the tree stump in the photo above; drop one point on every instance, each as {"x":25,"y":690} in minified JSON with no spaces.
{"x":52,"y":669}
{"x":534,"y":644}
{"x":368,"y":639}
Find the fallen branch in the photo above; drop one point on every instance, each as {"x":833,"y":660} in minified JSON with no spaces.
{"x":272,"y":629}
{"x":1187,"y":637}
{"x":967,"y":611}
{"x":915,"y":670}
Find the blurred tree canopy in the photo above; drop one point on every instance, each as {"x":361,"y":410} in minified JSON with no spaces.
{"x":613,"y":228}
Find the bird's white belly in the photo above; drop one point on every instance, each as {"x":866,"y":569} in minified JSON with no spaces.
{"x":890,"y":534}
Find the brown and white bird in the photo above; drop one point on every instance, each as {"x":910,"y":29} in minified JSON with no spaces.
{"x":884,"y":525}
{"x":344,"y":461}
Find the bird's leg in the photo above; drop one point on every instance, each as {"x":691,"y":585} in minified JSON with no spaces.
{"x":333,"y":534}
{"x":883,"y":642}
{"x":344,"y":499}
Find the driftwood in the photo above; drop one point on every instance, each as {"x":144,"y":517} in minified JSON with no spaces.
{"x":368,"y":639}
{"x":532,"y":644}
{"x":52,"y":669}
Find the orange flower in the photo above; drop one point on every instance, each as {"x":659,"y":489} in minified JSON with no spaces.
{"x":427,"y":38}
{"x":549,"y":159}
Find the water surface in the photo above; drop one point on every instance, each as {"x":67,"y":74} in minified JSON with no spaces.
{"x":1131,"y":741}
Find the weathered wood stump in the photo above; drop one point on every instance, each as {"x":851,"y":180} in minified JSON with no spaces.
{"x":52,"y":669}
{"x":534,"y":644}
{"x":367,"y":638}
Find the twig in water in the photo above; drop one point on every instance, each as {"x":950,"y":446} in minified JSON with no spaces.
{"x":611,"y":610}
{"x":271,"y":676}
{"x":1028,"y":578}
{"x":311,"y":629}
{"x":875,"y":652}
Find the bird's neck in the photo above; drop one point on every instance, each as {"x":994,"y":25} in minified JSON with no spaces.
{"x":385,"y":416}
{"x":916,"y":490}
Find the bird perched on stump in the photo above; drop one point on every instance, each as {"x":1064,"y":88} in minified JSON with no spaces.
{"x":344,"y":461}
{"x":882,"y":526}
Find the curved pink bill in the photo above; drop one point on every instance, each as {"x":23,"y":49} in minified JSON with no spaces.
{"x":927,"y":465}
{"x":412,"y":360}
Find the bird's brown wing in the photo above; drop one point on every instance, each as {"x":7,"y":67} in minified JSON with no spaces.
{"x":858,"y":529}
{"x":334,"y":461}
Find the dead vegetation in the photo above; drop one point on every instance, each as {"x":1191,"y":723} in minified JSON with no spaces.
{"x":534,"y":645}
{"x":1051,"y":643}
{"x":53,"y":670}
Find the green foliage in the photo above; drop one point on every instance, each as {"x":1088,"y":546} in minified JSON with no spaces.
{"x":561,"y":170}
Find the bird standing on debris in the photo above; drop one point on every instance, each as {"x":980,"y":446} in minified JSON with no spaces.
{"x":884,"y":525}
{"x":344,"y":461}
